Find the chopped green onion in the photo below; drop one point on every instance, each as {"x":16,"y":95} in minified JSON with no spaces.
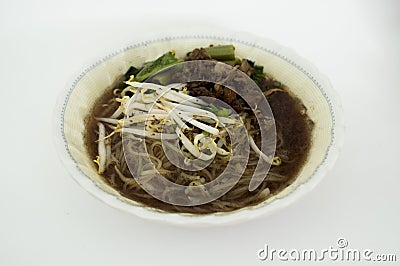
{"x":223,"y":112}
{"x":213,"y":108}
{"x":259,"y":69}
{"x":221,"y":52}
{"x":258,"y":78}
{"x":237,"y":61}
{"x":277,"y":84}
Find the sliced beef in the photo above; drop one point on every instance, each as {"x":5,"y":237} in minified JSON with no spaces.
{"x":200,"y":91}
{"x":229,"y":95}
{"x":247,"y":68}
{"x":197,"y":54}
{"x":266,"y":84}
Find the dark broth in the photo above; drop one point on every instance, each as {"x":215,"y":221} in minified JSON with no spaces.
{"x":293,"y":128}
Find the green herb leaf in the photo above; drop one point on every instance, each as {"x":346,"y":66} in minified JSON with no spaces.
{"x":160,"y":63}
{"x":277,"y":84}
{"x":223,"y":112}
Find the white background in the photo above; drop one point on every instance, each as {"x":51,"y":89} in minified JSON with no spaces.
{"x":47,"y":219}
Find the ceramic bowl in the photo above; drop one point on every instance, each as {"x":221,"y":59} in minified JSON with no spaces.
{"x":303,"y":79}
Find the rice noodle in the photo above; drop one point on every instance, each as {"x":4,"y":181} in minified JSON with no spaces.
{"x":197,"y":133}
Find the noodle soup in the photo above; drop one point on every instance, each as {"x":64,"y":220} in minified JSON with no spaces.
{"x":144,"y":95}
{"x":298,"y":91}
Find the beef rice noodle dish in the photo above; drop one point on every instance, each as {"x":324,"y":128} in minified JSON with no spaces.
{"x":198,"y":129}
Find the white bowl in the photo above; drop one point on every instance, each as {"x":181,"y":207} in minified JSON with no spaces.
{"x":303,"y":79}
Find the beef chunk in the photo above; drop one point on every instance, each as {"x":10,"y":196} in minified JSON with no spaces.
{"x":197,"y":54}
{"x":200,"y":91}
{"x":247,"y":68}
{"x":229,"y":95}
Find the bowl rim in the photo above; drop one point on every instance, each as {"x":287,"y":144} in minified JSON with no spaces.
{"x":248,"y":213}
